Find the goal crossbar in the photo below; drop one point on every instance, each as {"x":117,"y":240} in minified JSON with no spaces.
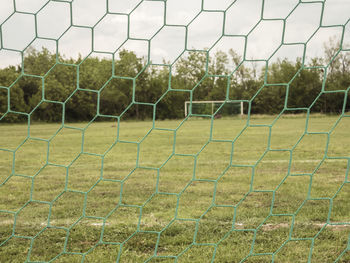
{"x":212,"y":104}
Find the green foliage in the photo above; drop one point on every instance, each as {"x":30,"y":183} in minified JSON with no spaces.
{"x":132,"y":79}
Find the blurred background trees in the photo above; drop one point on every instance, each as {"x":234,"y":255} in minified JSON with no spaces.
{"x":76,"y":84}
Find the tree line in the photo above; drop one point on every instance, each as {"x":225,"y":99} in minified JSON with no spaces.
{"x":80,"y":88}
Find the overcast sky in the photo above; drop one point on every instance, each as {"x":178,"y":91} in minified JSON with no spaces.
{"x":147,"y":19}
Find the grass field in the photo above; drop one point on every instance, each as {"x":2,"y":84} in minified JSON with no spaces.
{"x":182,"y":192}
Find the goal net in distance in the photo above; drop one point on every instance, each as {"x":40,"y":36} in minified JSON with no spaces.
{"x":120,"y":139}
{"x":210,"y":107}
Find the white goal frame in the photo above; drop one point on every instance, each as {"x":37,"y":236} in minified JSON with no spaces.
{"x":208,"y":102}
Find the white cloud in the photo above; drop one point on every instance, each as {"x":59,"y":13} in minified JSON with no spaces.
{"x":264,"y":40}
{"x":242,"y":16}
{"x":303,"y":22}
{"x":278,"y":8}
{"x":18,"y":31}
{"x":8,"y":57}
{"x":47,"y":20}
{"x":88,"y":12}
{"x":202,"y":34}
{"x":146,"y":20}
{"x":315,"y":46}
{"x":6,"y":10}
{"x":110,"y":33}
{"x":336,"y":12}
{"x":182,"y":12}
{"x":30,"y":6}
{"x":139,"y":47}
{"x":168,"y":44}
{"x":216,"y":5}
{"x":290,"y":52}
{"x":147,"y":17}
{"x":122,"y":6}
{"x":76,"y":41}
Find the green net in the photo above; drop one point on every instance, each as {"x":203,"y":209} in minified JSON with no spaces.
{"x":105,"y":156}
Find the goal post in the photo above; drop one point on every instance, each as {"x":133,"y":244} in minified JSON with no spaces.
{"x":212,"y":104}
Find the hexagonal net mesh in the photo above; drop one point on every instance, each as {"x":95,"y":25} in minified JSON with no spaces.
{"x":105,"y":155}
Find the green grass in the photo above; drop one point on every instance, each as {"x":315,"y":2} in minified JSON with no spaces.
{"x":181,"y":191}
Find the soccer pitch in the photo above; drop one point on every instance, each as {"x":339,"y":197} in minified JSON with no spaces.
{"x":199,"y":190}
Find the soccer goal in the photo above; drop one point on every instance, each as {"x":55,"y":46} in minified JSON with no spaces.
{"x":210,"y":107}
